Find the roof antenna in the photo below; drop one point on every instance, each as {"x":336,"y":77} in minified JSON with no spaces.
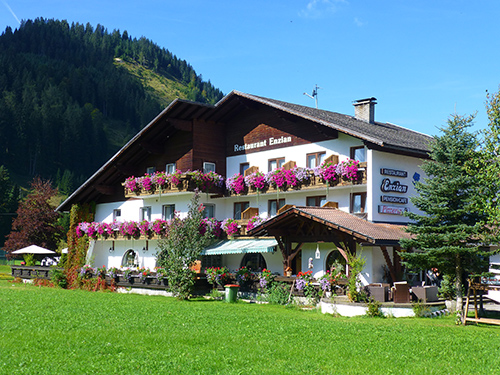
{"x":314,"y":95}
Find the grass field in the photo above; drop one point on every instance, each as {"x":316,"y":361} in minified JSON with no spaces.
{"x":55,"y":331}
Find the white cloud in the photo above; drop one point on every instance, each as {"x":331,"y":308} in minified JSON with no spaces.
{"x":320,"y":8}
{"x":358,"y":22}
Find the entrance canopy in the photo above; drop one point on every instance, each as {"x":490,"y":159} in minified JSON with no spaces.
{"x":256,"y":245}
{"x":298,"y":225}
{"x":313,"y":224}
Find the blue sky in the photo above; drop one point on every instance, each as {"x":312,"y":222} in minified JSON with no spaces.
{"x":422,"y":60}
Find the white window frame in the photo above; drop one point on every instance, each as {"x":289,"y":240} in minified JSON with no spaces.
{"x":211,"y":205}
{"x":163,"y":209}
{"x":170,"y":168}
{"x":145,"y":211}
{"x":151,"y":170}
{"x":208,"y":167}
{"x":117,"y":214}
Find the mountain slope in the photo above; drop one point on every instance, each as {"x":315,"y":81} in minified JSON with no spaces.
{"x":71,"y":95}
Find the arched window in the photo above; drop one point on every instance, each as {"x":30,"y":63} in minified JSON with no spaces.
{"x":130,"y":259}
{"x":253,"y":261}
{"x":336,"y":260}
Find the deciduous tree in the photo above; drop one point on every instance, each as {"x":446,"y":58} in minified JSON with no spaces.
{"x":36,"y":221}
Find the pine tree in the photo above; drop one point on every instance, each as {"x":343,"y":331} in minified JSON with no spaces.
{"x":447,"y":234}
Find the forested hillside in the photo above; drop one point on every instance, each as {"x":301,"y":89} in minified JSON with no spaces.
{"x":71,"y":95}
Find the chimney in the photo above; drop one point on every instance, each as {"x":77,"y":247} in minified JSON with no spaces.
{"x":364,"y":109}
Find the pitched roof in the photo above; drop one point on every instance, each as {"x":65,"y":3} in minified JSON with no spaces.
{"x":364,"y":231}
{"x":381,"y":134}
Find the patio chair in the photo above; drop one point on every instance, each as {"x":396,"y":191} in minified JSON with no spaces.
{"x":378,"y":291}
{"x":425,"y":293}
{"x":401,"y":292}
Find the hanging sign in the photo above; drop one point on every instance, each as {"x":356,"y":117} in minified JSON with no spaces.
{"x":391,"y":199}
{"x":389,"y":186}
{"x":393,"y":172}
{"x":391,"y":210}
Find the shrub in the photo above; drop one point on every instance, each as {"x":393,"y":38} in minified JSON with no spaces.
{"x":58,"y":277}
{"x":278,"y":294}
{"x":374,"y":309}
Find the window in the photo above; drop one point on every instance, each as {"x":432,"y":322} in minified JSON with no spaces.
{"x":168,"y":211}
{"x":314,"y":160}
{"x":317,"y":201}
{"x":130,"y":259}
{"x":208,"y":167}
{"x":239,"y":207}
{"x":274,"y":205}
{"x":244,"y":167}
{"x":145,"y":213}
{"x":253,"y":261}
{"x":170,"y":168}
{"x":335,"y":262}
{"x":358,"y":201}
{"x":209,"y":211}
{"x":276,"y":163}
{"x":358,"y":153}
{"x":117,"y":215}
{"x":208,"y":261}
{"x":150,"y":170}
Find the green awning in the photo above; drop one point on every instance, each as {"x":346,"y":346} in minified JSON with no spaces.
{"x":241,"y":247}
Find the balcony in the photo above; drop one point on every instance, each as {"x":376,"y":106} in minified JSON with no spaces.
{"x":287,"y":178}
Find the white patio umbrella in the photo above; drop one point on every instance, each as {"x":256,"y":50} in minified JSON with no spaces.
{"x":33,"y":249}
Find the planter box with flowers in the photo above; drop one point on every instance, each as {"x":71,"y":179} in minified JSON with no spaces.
{"x":162,"y":183}
{"x":331,"y":174}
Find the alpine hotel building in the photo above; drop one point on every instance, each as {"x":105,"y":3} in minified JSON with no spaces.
{"x":307,"y":227}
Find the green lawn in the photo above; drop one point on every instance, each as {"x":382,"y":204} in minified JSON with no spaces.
{"x":54,"y":331}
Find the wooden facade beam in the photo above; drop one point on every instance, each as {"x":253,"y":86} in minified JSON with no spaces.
{"x":184,"y":125}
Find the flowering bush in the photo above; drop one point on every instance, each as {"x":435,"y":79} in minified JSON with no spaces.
{"x":230,"y":226}
{"x":236,"y":184}
{"x":86,"y":271}
{"x":113,"y":272}
{"x":206,"y":181}
{"x":283,"y":179}
{"x":266,"y":278}
{"x":211,"y":225}
{"x":325,"y":282}
{"x":254,"y":222}
{"x":327,"y":172}
{"x":143,"y":273}
{"x":161,"y":274}
{"x":303,"y":279}
{"x":146,"y":228}
{"x":304,"y":282}
{"x":276,"y":178}
{"x":101,"y":272}
{"x":217,"y":275}
{"x":256,"y":181}
{"x":129,"y":229}
{"x":132,"y":184}
{"x":348,"y":169}
{"x":127,"y":274}
{"x":332,"y":173}
{"x":243,"y":274}
{"x":160,"y":227}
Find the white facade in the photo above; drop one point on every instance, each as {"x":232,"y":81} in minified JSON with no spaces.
{"x":384,"y":196}
{"x":130,"y":209}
